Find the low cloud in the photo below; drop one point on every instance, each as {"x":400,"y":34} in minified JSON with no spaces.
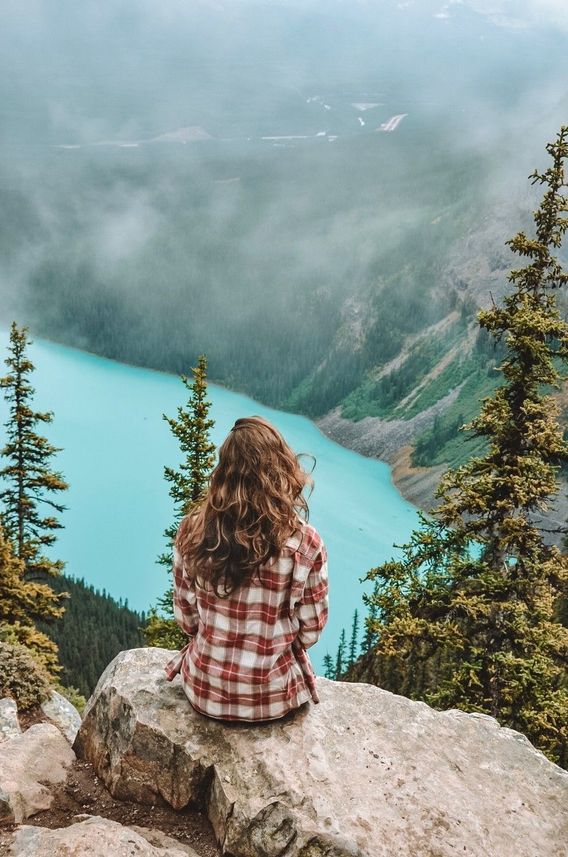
{"x":519,"y":13}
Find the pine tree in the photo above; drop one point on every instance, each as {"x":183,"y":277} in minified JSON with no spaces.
{"x":370,"y":621}
{"x":187,"y":486}
{"x":354,"y":639}
{"x":25,"y":595}
{"x":30,"y":482}
{"x":340,"y":657}
{"x":468,"y":615}
{"x":191,"y":429}
{"x":22,"y":604}
{"x":328,"y":666}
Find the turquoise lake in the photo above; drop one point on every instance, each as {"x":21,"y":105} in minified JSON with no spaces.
{"x":108,"y":421}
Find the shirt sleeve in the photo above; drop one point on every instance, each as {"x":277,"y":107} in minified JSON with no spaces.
{"x":312,"y":609}
{"x":185,"y":599}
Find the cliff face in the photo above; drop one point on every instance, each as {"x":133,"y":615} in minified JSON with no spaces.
{"x":363,"y":773}
{"x":381,"y":438}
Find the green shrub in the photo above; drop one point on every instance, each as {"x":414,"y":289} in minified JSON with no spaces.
{"x":164,"y":632}
{"x":21,"y":677}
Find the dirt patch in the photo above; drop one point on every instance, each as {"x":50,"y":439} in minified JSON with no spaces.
{"x":31,"y":717}
{"x":416,"y":484}
{"x":84,"y":793}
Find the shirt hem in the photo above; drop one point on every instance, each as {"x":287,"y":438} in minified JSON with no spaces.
{"x":299,"y":700}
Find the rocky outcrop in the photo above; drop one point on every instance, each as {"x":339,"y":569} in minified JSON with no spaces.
{"x":95,"y":837}
{"x":30,"y":765}
{"x":9,"y":724}
{"x":379,"y":438}
{"x":63,"y":714}
{"x":363,"y":773}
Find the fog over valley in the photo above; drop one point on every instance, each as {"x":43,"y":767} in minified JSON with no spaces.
{"x":293,"y":188}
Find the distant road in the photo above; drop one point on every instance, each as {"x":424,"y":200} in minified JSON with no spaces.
{"x":392,"y":123}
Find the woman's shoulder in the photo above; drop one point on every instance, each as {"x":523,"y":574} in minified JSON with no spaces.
{"x":305,"y":540}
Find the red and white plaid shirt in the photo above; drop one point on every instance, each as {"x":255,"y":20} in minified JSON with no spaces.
{"x":247,"y":659}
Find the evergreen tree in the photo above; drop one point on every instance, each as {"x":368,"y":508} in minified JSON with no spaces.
{"x":30,"y":482}
{"x":354,"y":639}
{"x":370,"y":621}
{"x":340,"y":657}
{"x":191,"y":429}
{"x":328,"y":666}
{"x":22,"y":604}
{"x":187,"y":486}
{"x":468,"y":615}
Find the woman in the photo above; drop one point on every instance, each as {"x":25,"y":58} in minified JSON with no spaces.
{"x":250,"y":583}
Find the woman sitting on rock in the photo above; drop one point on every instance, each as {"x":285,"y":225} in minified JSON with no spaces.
{"x":250,"y":583}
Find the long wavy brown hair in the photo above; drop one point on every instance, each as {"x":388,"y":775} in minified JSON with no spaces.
{"x":251,"y":507}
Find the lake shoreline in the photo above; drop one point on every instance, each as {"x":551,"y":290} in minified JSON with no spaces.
{"x":417,"y":485}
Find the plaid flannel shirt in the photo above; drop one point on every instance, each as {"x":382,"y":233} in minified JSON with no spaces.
{"x":246,"y":658}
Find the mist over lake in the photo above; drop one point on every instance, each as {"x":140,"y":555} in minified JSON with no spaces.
{"x":108,"y":421}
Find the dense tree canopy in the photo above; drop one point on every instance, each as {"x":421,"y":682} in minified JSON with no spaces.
{"x":94,"y":628}
{"x":468,"y":616}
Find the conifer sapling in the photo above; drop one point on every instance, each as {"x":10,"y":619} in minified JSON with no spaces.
{"x":188,"y":483}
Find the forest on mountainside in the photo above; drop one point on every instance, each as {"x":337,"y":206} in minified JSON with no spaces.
{"x":306,"y":334}
{"x":94,"y":628}
{"x":228,"y":287}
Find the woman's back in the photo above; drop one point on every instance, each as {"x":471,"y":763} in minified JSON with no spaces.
{"x":250,"y":582}
{"x":247,"y":659}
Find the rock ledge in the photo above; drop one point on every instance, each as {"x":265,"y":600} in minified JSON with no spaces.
{"x":363,"y":773}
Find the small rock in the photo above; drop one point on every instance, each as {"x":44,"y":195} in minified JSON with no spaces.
{"x":30,"y":765}
{"x":96,"y":837}
{"x":61,"y":712}
{"x":9,"y":725}
{"x":268,"y":835}
{"x":160,"y":840}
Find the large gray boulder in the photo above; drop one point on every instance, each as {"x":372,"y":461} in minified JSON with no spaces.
{"x":363,"y":773}
{"x":31,"y":764}
{"x":96,"y":837}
